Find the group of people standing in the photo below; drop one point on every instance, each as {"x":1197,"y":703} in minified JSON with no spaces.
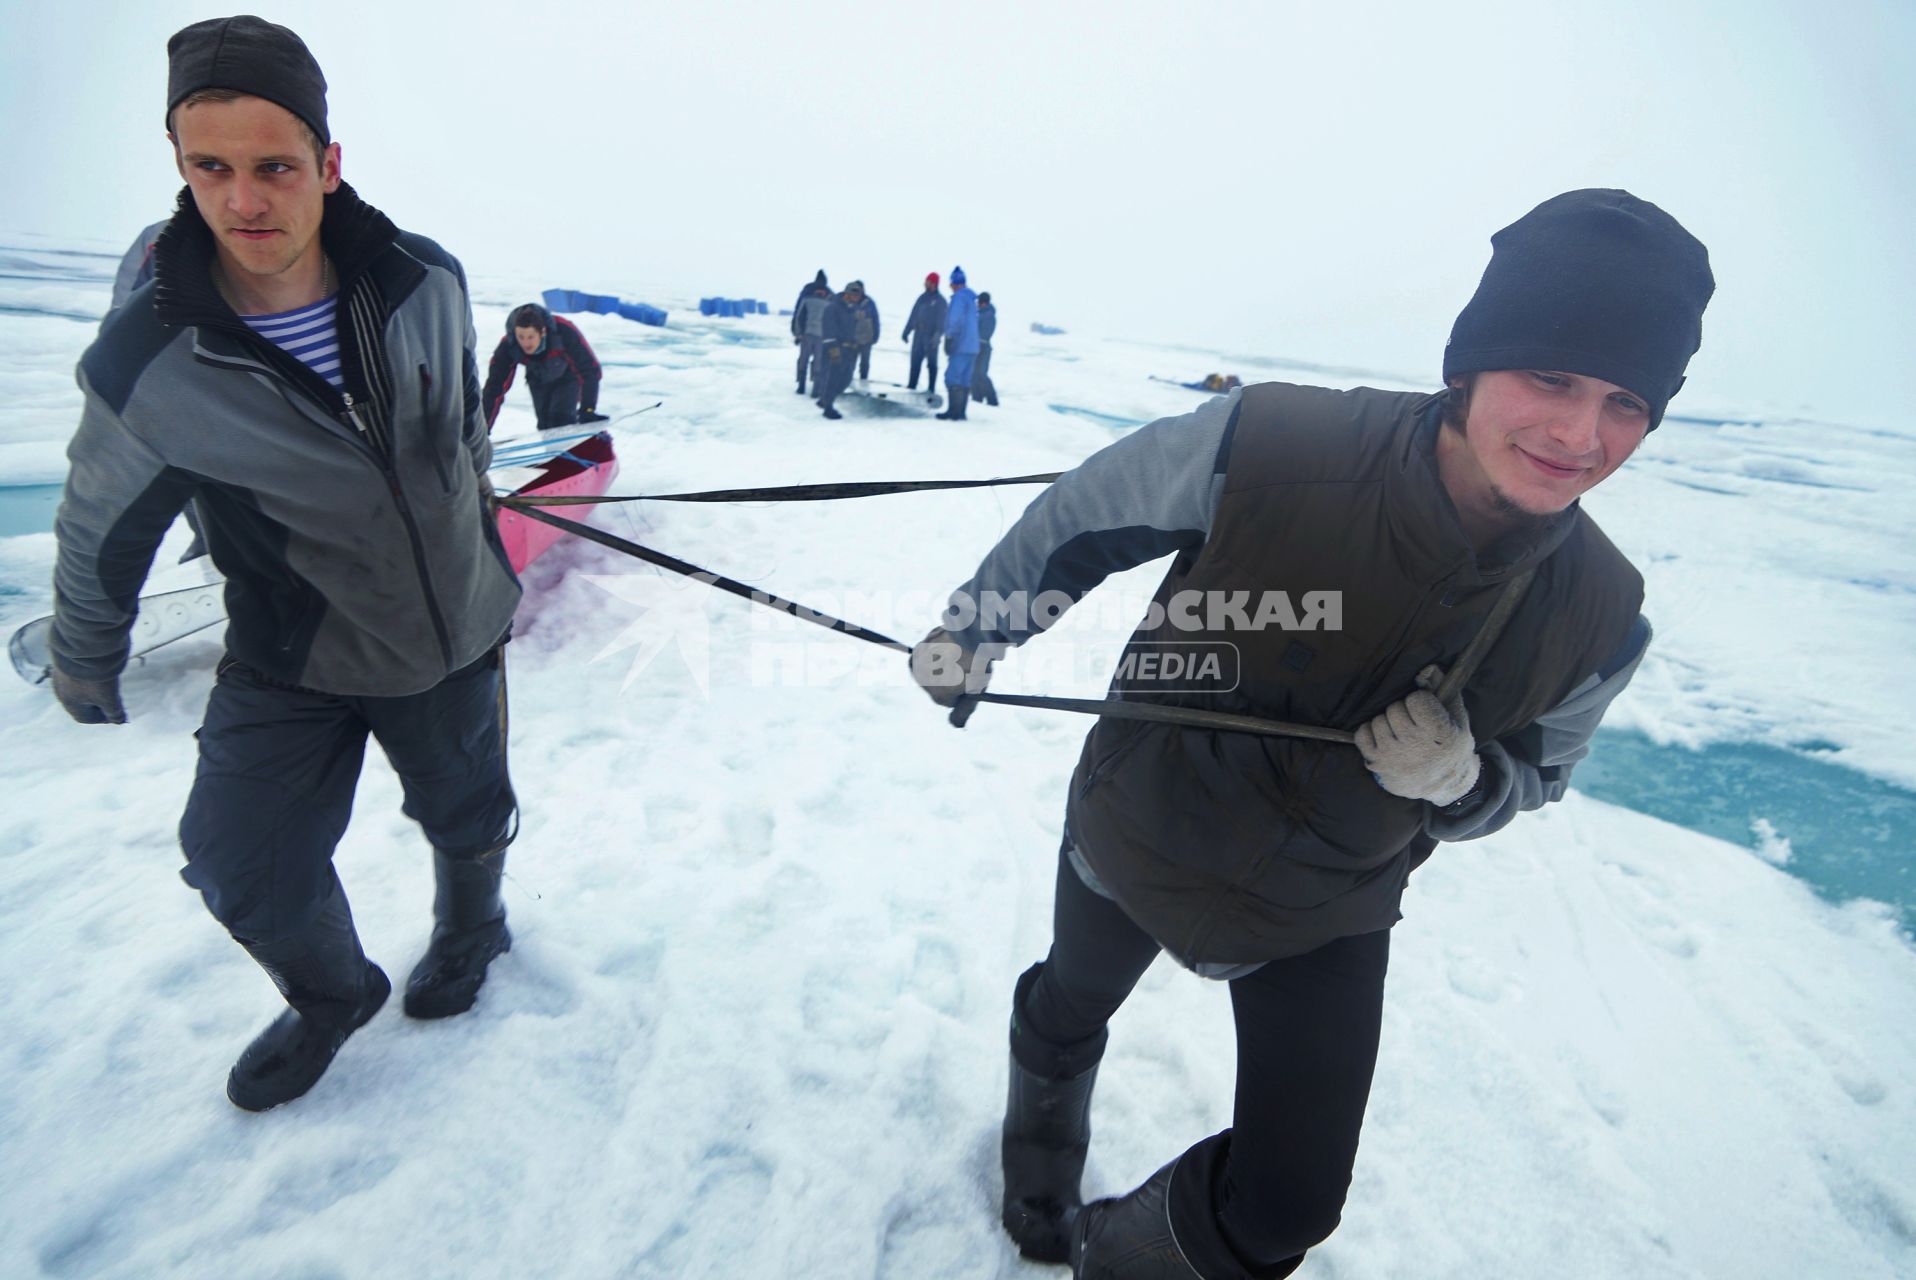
{"x":836,"y":332}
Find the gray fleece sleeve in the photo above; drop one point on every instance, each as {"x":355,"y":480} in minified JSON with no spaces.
{"x":121,"y":496}
{"x":1531,"y":768}
{"x":1151,"y":493}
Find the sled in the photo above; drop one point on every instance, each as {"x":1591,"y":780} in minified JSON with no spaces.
{"x":163,"y":617}
{"x":579,"y":467}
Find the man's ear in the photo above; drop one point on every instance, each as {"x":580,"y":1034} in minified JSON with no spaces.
{"x":329,"y":169}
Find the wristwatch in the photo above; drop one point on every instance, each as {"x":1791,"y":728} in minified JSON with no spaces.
{"x":1463,"y":803}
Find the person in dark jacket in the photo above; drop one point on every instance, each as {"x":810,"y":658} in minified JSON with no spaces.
{"x":864,"y":326}
{"x":808,"y":318}
{"x":562,"y":373}
{"x":838,"y":348}
{"x":1335,"y":554}
{"x":305,"y":372}
{"x":924,"y":331}
{"x":981,"y":388}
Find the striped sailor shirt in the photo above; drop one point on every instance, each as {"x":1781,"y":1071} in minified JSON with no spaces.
{"x":309,"y":334}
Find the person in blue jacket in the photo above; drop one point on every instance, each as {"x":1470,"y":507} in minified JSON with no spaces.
{"x":923,"y":330}
{"x":961,"y":345}
{"x":981,"y":374}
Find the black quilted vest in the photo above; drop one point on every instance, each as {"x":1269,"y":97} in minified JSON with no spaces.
{"x":1230,"y":848}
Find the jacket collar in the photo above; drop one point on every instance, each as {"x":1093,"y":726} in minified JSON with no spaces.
{"x":1424,"y":521}
{"x":353,"y":233}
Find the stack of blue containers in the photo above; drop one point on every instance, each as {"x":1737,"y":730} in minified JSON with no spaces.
{"x":603,"y":304}
{"x":644,"y":313}
{"x":732,"y":308}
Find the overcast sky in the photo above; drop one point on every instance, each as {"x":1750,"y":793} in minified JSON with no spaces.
{"x":1313,"y":180}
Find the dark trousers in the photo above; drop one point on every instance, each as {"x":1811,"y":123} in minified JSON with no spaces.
{"x":834,"y":372}
{"x":981,"y":388}
{"x":557,"y":403}
{"x":808,"y":352}
{"x":1307,"y":1031}
{"x":920,"y":354}
{"x":865,"y":360}
{"x":277,"y":771}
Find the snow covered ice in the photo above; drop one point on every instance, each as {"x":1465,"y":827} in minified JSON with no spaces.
{"x":768,"y":906}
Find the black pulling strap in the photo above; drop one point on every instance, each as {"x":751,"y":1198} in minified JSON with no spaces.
{"x":781,"y":493}
{"x":1115,"y":708}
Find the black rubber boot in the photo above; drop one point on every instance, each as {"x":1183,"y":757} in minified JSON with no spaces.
{"x":1047,"y":1131}
{"x":1166,"y":1229}
{"x":333,"y":989}
{"x":956,"y":411}
{"x":468,"y":931}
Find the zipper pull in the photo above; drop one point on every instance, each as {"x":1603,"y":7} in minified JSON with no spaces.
{"x":351,"y":415}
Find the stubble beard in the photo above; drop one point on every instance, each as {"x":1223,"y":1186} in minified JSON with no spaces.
{"x":267,"y":267}
{"x":1517,"y":517}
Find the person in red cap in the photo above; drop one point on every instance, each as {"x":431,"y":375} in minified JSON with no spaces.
{"x":925,"y":330}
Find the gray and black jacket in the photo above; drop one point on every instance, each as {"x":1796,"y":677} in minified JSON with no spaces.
{"x":925,"y":327}
{"x":358,"y":554}
{"x":1232,"y":850}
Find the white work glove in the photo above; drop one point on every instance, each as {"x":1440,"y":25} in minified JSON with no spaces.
{"x":948,"y":671}
{"x":1421,"y":748}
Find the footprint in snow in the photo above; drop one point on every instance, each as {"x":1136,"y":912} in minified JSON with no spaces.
{"x":1635,"y":896}
{"x":1475,"y":978}
{"x":937,"y":976}
{"x":1851,"y":1074}
{"x":730,"y":1186}
{"x":526,"y":981}
{"x":636,"y":964}
{"x":920,"y":1242}
{"x":304,"y":1187}
{"x":748,"y":835}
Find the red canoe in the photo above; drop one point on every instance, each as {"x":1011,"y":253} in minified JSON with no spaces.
{"x":585,"y":469}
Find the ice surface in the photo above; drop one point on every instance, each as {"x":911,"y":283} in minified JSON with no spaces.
{"x":769,"y":906}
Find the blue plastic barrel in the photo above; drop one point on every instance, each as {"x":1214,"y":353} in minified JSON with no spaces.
{"x":603,"y":304}
{"x":557,"y":299}
{"x":764,"y":310}
{"x":707,"y":306}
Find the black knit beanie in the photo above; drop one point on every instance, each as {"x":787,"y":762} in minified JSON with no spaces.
{"x":1595,"y":282}
{"x":252,"y":56}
